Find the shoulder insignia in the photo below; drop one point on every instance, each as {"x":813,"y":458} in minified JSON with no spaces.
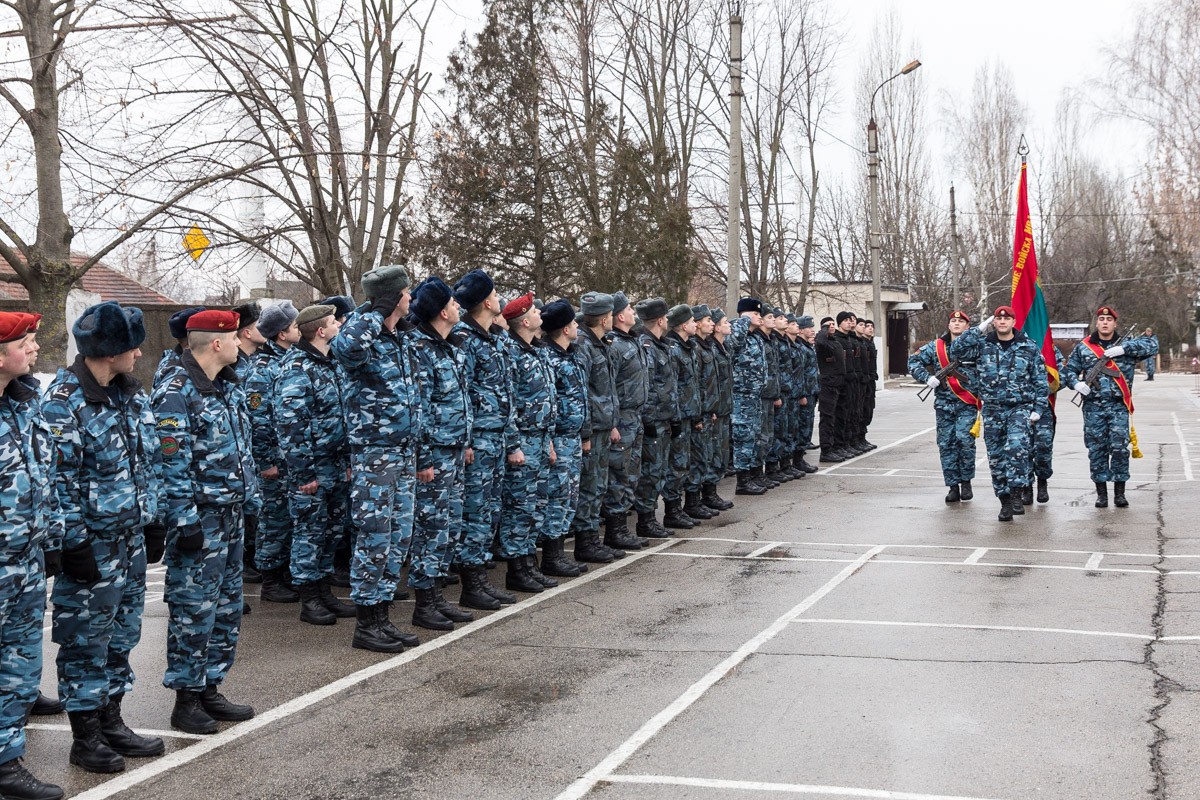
{"x":177,"y":383}
{"x":168,"y":422}
{"x":55,"y":430}
{"x":62,"y":392}
{"x":169,"y":446}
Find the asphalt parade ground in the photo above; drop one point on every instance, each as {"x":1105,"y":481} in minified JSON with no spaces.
{"x":847,"y":635}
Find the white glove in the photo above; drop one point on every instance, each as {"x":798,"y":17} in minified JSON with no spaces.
{"x":933,"y":382}
{"x":985,"y":324}
{"x":1034,"y":416}
{"x":1114,"y":351}
{"x":1083,"y":388}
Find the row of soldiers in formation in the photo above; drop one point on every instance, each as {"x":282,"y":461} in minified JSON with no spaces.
{"x":996,"y":373}
{"x":401,"y":432}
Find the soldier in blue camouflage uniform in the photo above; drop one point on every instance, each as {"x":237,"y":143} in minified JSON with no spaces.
{"x":785,"y":416}
{"x":701,"y":490}
{"x":249,"y":341}
{"x":686,"y":422}
{"x":310,"y":415}
{"x":210,"y":486}
{"x":493,"y":438}
{"x":603,"y":412}
{"x":1012,"y":387}
{"x":625,"y":455}
{"x":273,"y":544}
{"x":662,"y":399}
{"x":723,"y":463}
{"x":559,"y":331}
{"x":177,"y":325}
{"x":109,"y":487}
{"x":383,"y":422}
{"x":30,"y":526}
{"x":747,"y":350}
{"x":1106,"y":423}
{"x":442,"y":451}
{"x":1043,"y":441}
{"x":954,"y":415}
{"x":810,"y":391}
{"x":771,"y":402}
{"x":526,"y":485}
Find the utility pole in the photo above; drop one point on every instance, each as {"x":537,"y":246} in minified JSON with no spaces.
{"x":954,"y":263}
{"x":875,"y":244}
{"x":733,"y":278}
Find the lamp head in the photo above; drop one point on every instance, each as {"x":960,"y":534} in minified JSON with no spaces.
{"x":910,"y":66}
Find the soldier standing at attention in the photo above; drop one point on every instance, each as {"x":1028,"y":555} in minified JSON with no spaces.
{"x":210,"y":487}
{"x":955,"y":408}
{"x":494,"y":437}
{"x":625,"y":455}
{"x":559,"y":330}
{"x":810,"y":391}
{"x":831,"y":365}
{"x":109,"y":489}
{"x":1108,"y":402}
{"x":706,"y":457}
{"x":30,"y":522}
{"x":310,"y":412}
{"x":686,"y":420}
{"x":604,"y":413}
{"x":249,"y":341}
{"x":722,"y":464}
{"x":661,"y":400}
{"x":442,"y":452}
{"x":383,"y":422}
{"x":850,"y":404}
{"x":870,"y":381}
{"x":277,"y":324}
{"x":1012,"y":387}
{"x":747,"y":351}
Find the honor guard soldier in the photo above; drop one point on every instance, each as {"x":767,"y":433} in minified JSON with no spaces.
{"x":177,"y":325}
{"x":210,"y":488}
{"x":1101,"y":369}
{"x":1011,"y":377}
{"x":661,"y":401}
{"x":706,"y":444}
{"x":686,"y":420}
{"x":955,"y":407}
{"x":747,"y":350}
{"x":383,"y":422}
{"x":625,"y":455}
{"x":831,"y":365}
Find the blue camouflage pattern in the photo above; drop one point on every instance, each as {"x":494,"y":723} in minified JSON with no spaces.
{"x":274,"y":540}
{"x":625,"y":456}
{"x":570,"y":421}
{"x":748,"y":354}
{"x":953,"y":418}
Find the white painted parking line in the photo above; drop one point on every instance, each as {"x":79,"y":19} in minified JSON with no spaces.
{"x":1145,"y":637}
{"x":876,"y":451}
{"x":650,"y":729}
{"x":1094,"y":561}
{"x":1183,"y":447}
{"x":50,"y":726}
{"x":976,"y":554}
{"x":766,"y":548}
{"x":906,"y":546}
{"x":186,"y":755}
{"x":785,"y":788}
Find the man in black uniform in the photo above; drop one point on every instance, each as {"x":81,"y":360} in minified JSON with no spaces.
{"x":831,"y":363}
{"x":850,"y":403}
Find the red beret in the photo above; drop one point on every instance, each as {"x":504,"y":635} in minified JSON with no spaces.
{"x":14,"y":325}
{"x":35,"y":322}
{"x":213,"y":321}
{"x":1005,"y":310}
{"x":959,"y":315}
{"x":1102,"y":310}
{"x":516,"y":308}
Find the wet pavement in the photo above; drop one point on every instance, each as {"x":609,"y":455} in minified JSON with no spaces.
{"x":846,"y":635}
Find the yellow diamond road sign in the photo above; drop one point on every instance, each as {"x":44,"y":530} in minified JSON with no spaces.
{"x":195,"y":242}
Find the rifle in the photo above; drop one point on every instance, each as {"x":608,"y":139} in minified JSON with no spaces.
{"x":1092,"y":376}
{"x":946,"y":372}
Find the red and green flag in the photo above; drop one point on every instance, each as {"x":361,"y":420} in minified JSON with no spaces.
{"x":1028,"y":302}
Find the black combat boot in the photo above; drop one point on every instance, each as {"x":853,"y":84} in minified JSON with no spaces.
{"x":275,"y":588}
{"x":589,"y":550}
{"x":219,"y":708}
{"x":341,"y":569}
{"x":312,"y":610}
{"x":45,"y":707}
{"x":1027,"y":495}
{"x":249,"y":573}
{"x":954,"y":495}
{"x":869,"y":445}
{"x":89,"y":750}
{"x":370,"y":635}
{"x":1043,"y":495}
{"x":1119,"y":495}
{"x":121,"y":739}
{"x":385,"y":624}
{"x":473,"y":594}
{"x":747,"y":485}
{"x":788,"y":465}
{"x":695,"y":509}
{"x":189,"y":716}
{"x":965,"y":490}
{"x":505,"y":598}
{"x":447,"y":610}
{"x":647,"y":526}
{"x":673,"y":516}
{"x":1018,"y":508}
{"x":531,"y":566}
{"x":617,"y":535}
{"x":773,"y":473}
{"x":1006,"y":508}
{"x":519,"y":579}
{"x":803,"y":465}
{"x":426,"y":614}
{"x":710,"y":498}
{"x":1101,"y":494}
{"x":766,"y":480}
{"x":830,"y":456}
{"x":336,"y":606}
{"x":556,"y":563}
{"x":18,"y":783}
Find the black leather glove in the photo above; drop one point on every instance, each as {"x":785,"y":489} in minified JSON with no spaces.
{"x":53,"y":563}
{"x":676,"y":428}
{"x":156,"y":541}
{"x":251,"y":532}
{"x":386,"y":304}
{"x":79,"y":564}
{"x":649,"y":430}
{"x":189,"y":539}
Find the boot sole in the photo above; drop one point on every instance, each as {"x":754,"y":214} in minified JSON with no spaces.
{"x":479,"y":605}
{"x":331,"y":620}
{"x":393,"y":648}
{"x":435,"y":626}
{"x":593,"y":560}
{"x":230,"y":717}
{"x":99,"y":769}
{"x":128,"y":752}
{"x":536,"y":588}
{"x":196,"y":730}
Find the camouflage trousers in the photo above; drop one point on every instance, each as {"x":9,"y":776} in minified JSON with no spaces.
{"x":703,"y":455}
{"x":22,"y":606}
{"x":680,"y":463}
{"x":747,"y":427}
{"x":956,"y":445}
{"x":319,"y":523}
{"x":437,"y":528}
{"x":1006,"y":432}
{"x":204,"y":597}
{"x":716,"y":470}
{"x":524,"y":496}
{"x":624,"y":465}
{"x":382,"y":489}
{"x":785,"y":430}
{"x":806,"y":419}
{"x":562,"y":486}
{"x":593,"y":483}
{"x":656,"y":461}
{"x":96,"y":627}
{"x":1106,"y":434}
{"x":273,"y":543}
{"x":766,"y":434}
{"x":481,"y":498}
{"x":1043,"y":446}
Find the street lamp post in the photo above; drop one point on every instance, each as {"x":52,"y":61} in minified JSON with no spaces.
{"x":874,"y":235}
